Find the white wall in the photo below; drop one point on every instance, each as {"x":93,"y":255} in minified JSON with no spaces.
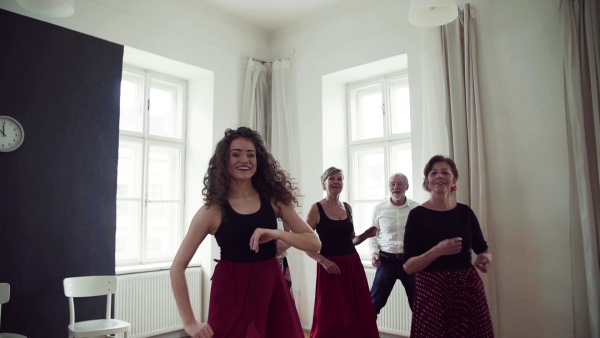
{"x":520,"y":67}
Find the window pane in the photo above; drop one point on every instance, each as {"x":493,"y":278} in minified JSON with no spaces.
{"x":400,"y":110}
{"x":128,"y":230}
{"x":163,"y":229}
{"x":132,"y":103}
{"x":362,"y":216}
{"x":166,"y":109}
{"x":369,"y":180}
{"x":401,"y":162}
{"x":367,"y":113}
{"x":164,"y":173}
{"x":129,"y":176}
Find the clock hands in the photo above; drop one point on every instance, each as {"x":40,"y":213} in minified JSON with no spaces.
{"x":2,"y":131}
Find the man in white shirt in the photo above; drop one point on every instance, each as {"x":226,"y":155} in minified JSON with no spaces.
{"x":387,"y":246}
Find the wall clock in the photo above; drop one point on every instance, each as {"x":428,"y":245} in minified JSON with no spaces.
{"x":12,"y":134}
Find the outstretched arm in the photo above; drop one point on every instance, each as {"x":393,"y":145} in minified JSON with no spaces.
{"x":370,"y":232}
{"x":205,"y":221}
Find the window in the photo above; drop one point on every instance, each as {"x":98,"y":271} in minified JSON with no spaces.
{"x":378,"y":143}
{"x":151,"y":164}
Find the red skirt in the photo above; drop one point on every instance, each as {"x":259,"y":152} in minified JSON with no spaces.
{"x":343,"y":307}
{"x":252,"y":300}
{"x":450,"y":304}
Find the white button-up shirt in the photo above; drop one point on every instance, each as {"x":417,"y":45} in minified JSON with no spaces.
{"x":390,"y":220}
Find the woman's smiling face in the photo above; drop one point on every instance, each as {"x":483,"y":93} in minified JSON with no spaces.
{"x":440,"y":178}
{"x":242,"y":159}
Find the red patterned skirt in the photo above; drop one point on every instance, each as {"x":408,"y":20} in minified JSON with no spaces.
{"x":343,"y":307}
{"x":252,"y":300}
{"x":450,"y":304}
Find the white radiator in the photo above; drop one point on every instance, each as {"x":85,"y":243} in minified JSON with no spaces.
{"x":146,"y":301}
{"x":395,"y":316}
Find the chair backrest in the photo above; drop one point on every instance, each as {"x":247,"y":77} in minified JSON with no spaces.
{"x":4,"y":293}
{"x":4,"y":296}
{"x":89,"y":286}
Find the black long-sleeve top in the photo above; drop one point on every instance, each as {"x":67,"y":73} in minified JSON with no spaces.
{"x":425,"y":228}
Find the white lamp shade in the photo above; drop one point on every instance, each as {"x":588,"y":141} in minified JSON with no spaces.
{"x":430,"y":13}
{"x":54,"y":8}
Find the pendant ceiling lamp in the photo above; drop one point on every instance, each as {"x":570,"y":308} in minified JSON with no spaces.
{"x":431,"y":13}
{"x":53,"y":8}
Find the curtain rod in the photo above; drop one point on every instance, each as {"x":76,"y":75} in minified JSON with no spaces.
{"x":261,"y":61}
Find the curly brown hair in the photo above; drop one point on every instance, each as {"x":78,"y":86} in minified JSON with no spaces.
{"x":269,"y":180}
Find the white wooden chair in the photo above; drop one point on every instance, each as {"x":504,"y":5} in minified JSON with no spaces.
{"x":4,"y":298}
{"x":92,"y":286}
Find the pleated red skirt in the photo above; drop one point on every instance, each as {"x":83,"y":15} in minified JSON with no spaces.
{"x":450,"y":304}
{"x":343,"y":307}
{"x":252,"y":300}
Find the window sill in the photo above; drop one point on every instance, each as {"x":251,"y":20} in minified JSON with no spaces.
{"x":130,"y":269}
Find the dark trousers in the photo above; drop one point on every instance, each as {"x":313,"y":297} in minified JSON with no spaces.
{"x":387,"y":273}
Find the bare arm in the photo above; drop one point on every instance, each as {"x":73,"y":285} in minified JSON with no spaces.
{"x":206,"y":221}
{"x":446,"y":247}
{"x":370,"y":232}
{"x":302,"y":236}
{"x":281,"y":245}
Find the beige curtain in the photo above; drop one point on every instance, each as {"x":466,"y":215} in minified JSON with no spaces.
{"x":580,"y":29}
{"x":256,"y":101}
{"x":463,"y":121}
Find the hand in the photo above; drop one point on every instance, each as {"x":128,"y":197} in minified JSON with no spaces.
{"x":261,"y":236}
{"x":331,"y":267}
{"x":2,"y":131}
{"x":450,"y":246}
{"x":375,"y":260}
{"x":370,"y":232}
{"x":199,"y":330}
{"x":483,"y":261}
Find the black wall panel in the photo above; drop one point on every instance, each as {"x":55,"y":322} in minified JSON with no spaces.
{"x":58,"y":190}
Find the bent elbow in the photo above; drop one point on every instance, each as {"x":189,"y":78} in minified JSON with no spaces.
{"x":316,"y":245}
{"x":407,"y":269}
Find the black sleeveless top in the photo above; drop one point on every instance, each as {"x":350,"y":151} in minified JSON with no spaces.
{"x":233,"y":235}
{"x":335,"y":236}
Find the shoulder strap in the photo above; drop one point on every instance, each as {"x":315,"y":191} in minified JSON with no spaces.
{"x":348,"y":209}
{"x":320,"y":207}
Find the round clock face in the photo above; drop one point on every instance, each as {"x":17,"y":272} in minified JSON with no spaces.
{"x":11,"y":134}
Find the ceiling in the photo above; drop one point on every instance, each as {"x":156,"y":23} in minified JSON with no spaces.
{"x":271,"y":15}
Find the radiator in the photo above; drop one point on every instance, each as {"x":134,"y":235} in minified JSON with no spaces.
{"x":146,"y":301}
{"x":395,"y":316}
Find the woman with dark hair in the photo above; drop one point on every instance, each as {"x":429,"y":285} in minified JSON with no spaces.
{"x":245,"y":192}
{"x":343,"y":306}
{"x":449,"y":297}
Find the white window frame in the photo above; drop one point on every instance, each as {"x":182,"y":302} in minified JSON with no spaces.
{"x":152,"y":140}
{"x":386,"y":142}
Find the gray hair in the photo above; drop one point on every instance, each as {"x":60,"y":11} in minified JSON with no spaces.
{"x":400,"y":175}
{"x":330,"y":171}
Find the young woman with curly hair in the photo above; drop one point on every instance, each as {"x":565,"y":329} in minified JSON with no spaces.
{"x":245,"y":192}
